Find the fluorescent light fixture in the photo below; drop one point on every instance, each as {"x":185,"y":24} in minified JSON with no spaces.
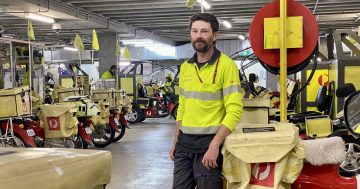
{"x":204,"y":3}
{"x":70,"y":49}
{"x":241,"y":37}
{"x":138,"y":42}
{"x":227,"y":24}
{"x":318,"y":59}
{"x":40,"y":18}
{"x":124,"y":63}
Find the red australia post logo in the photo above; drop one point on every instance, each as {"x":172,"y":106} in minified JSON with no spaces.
{"x":53,"y":123}
{"x":24,"y":107}
{"x":262,"y":174}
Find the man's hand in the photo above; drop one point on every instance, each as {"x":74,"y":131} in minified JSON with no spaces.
{"x":210,"y":157}
{"x":172,"y":152}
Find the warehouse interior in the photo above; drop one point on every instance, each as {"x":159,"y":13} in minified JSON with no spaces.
{"x":92,"y":92}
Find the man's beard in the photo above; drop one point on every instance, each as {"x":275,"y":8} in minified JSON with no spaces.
{"x":202,"y":49}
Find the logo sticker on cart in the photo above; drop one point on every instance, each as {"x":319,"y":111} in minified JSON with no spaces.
{"x":53,"y":123}
{"x":262,"y":174}
{"x":24,"y":107}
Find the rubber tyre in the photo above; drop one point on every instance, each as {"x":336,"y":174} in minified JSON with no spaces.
{"x":142,"y":118}
{"x":136,"y":114}
{"x":108,"y":140}
{"x":122,"y":129}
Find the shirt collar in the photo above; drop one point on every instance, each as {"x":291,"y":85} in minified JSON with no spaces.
{"x":216,"y":54}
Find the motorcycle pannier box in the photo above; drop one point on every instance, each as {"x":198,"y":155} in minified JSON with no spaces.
{"x":262,"y":156}
{"x":15,"y":102}
{"x":59,"y":120}
{"x":114,"y":97}
{"x":62,"y":93}
{"x":255,"y":110}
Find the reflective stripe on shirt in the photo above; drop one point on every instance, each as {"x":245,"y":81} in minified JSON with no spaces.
{"x":199,"y":130}
{"x":211,"y":95}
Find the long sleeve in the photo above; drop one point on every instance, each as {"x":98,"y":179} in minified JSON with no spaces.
{"x":181,"y":107}
{"x":232,"y":96}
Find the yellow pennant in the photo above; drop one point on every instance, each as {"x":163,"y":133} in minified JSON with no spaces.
{"x":95,"y":42}
{"x":117,"y":51}
{"x":78,"y":43}
{"x":190,"y":3}
{"x":30,"y":31}
{"x":126,"y":53}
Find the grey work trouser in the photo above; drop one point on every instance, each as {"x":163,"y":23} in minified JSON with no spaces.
{"x":189,"y":172}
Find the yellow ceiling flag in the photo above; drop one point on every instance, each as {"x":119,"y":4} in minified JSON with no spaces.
{"x":190,"y":3}
{"x":126,"y":53}
{"x":30,"y":31}
{"x":95,"y":42}
{"x":78,"y":43}
{"x":117,"y":51}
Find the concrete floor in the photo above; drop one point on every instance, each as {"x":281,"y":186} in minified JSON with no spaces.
{"x":140,"y":159}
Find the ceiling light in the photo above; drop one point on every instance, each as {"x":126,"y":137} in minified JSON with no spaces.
{"x":227,"y":24}
{"x":70,"y":49}
{"x":204,"y":3}
{"x":40,"y":18}
{"x":241,"y":37}
{"x":138,"y":42}
{"x":318,"y":59}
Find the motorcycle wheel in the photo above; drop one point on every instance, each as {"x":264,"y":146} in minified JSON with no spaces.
{"x":118,"y":136}
{"x":15,"y":142}
{"x":102,"y":136}
{"x":79,"y":144}
{"x":142,"y":118}
{"x":69,"y":143}
{"x":135,"y":115}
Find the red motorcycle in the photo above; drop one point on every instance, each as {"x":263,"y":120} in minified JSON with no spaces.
{"x":118,"y":122}
{"x":80,"y":140}
{"x":17,"y":136}
{"x":153,"y":107}
{"x":344,"y":175}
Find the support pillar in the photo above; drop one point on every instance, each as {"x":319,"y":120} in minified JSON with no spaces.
{"x":107,"y":57}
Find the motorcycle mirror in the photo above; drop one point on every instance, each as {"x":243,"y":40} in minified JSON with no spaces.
{"x":352,"y":113}
{"x":345,"y":90}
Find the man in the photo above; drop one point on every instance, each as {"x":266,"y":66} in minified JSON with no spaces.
{"x":168,"y":89}
{"x":110,"y":74}
{"x":210,"y":106}
{"x":253,"y":78}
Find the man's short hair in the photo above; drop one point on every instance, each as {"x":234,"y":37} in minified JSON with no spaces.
{"x":206,"y":17}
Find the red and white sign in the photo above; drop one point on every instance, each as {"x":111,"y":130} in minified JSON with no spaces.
{"x":323,"y":80}
{"x":53,"y":123}
{"x":24,"y":107}
{"x":262,"y":174}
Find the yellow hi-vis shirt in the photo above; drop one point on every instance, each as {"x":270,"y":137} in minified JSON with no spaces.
{"x":107,"y":75}
{"x":208,"y":99}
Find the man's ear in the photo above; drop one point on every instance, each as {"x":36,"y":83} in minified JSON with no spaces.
{"x":216,"y":36}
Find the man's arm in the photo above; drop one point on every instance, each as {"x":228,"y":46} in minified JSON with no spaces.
{"x":171,"y":152}
{"x":210,"y":157}
{"x":233,"y":106}
{"x":180,"y":114}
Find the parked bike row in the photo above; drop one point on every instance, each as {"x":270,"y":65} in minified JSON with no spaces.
{"x":71,"y":121}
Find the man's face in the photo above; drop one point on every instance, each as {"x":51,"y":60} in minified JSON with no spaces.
{"x":113,"y":71}
{"x":202,"y":36}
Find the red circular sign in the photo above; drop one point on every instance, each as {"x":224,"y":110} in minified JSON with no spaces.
{"x":323,"y":80}
{"x":296,"y":56}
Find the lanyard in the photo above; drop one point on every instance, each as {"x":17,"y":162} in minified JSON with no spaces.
{"x":215,"y":72}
